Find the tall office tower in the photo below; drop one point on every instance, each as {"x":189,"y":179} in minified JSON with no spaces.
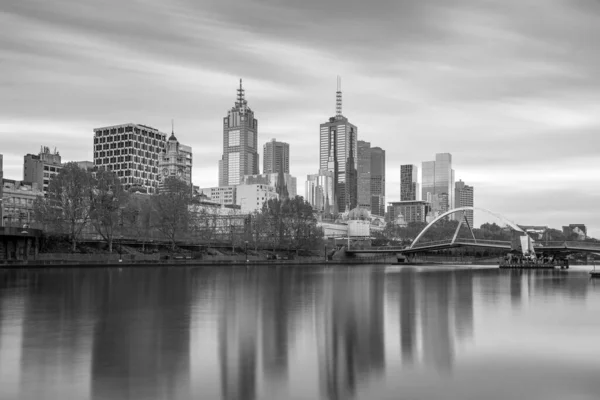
{"x":464,"y":196}
{"x":42,"y":167}
{"x":409,"y":183}
{"x":438,"y":183}
{"x":131,"y":151}
{"x":240,"y":135}
{"x":276,"y":157}
{"x":378,"y":181}
{"x":175,"y":161}
{"x":338,"y":153}
{"x":364,"y":174}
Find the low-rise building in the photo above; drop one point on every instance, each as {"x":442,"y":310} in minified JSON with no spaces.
{"x":408,"y":211}
{"x":17,"y":201}
{"x":271,"y":179}
{"x":252,"y":197}
{"x":220,"y":194}
{"x":42,"y":167}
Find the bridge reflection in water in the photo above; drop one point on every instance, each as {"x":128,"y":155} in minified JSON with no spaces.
{"x":264,"y":333}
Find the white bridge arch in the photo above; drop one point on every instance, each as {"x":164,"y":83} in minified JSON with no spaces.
{"x":463,"y":209}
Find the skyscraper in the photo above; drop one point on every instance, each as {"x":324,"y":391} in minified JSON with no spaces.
{"x":131,"y":151}
{"x":409,"y":183}
{"x":276,"y":157}
{"x":464,"y":197}
{"x":338,"y":153}
{"x":364,"y":174}
{"x":438,"y":183}
{"x":377,"y":181}
{"x":240,"y":135}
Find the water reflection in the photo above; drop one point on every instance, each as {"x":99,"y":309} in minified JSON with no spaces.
{"x":262,"y":333}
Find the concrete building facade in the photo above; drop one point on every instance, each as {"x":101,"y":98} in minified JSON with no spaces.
{"x":17,"y":202}
{"x":132,"y":152}
{"x":42,"y":167}
{"x":252,"y":197}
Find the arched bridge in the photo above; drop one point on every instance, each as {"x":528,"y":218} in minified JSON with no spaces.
{"x":417,"y":246}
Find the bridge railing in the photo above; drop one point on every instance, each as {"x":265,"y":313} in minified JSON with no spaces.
{"x":458,"y":241}
{"x":567,"y":244}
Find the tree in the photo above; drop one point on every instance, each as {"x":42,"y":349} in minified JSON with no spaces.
{"x":108,"y":202}
{"x":138,"y":217}
{"x":171,"y":208}
{"x":66,"y":209}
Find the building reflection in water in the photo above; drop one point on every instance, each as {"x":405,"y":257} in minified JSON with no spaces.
{"x":350,"y":331}
{"x":112,"y":334}
{"x":141,"y":340}
{"x":238,"y":334}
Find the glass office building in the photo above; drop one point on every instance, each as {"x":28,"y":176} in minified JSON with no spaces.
{"x":338,"y":154}
{"x":438,"y":183}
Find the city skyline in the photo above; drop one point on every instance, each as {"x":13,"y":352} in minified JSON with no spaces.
{"x":499,"y":114}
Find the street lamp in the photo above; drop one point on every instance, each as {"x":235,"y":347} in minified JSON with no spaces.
{"x":246,"y":250}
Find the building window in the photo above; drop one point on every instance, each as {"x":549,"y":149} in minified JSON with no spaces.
{"x":234,"y":138}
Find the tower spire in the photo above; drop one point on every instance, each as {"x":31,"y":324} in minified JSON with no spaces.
{"x":172,"y":126}
{"x":241,"y":101}
{"x":338,"y":98}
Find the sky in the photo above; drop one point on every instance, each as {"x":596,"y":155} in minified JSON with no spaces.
{"x":510,"y":88}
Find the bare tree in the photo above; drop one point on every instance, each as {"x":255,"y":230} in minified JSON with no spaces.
{"x":171,"y":208}
{"x":66,"y":209}
{"x":138,"y":218}
{"x":108,"y":202}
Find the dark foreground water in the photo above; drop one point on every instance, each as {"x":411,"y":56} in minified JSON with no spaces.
{"x":299,"y":333}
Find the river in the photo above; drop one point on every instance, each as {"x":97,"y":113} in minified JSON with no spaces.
{"x":355,"y":332}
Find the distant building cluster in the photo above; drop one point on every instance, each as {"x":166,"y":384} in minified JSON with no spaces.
{"x":350,"y":175}
{"x":437,"y":192}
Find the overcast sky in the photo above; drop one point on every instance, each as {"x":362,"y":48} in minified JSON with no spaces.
{"x":510,"y":88}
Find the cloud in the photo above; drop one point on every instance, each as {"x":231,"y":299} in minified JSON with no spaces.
{"x":509,"y":88}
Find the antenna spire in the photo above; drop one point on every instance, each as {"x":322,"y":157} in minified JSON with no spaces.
{"x":338,"y":98}
{"x":240,"y":97}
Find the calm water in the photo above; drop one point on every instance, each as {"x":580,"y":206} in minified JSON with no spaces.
{"x":299,"y":333}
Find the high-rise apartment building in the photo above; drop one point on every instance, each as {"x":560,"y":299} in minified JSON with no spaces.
{"x":175,"y":161}
{"x":338,"y":154}
{"x":364,"y":174}
{"x":132,"y":152}
{"x":42,"y":167}
{"x":464,"y":197}
{"x":276,"y":157}
{"x":240,"y":135}
{"x":438,"y":183}
{"x":409,"y":183}
{"x":377,"y":181}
